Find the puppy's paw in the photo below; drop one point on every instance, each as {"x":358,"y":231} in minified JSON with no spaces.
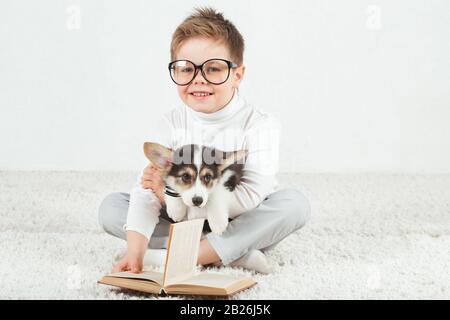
{"x":176,"y":210}
{"x":177,"y":215}
{"x":218,"y":223}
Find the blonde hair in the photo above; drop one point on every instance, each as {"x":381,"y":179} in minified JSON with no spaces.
{"x":207,"y":22}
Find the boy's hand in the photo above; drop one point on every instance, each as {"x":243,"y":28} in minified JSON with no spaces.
{"x":133,"y":259}
{"x":129,"y":262}
{"x":152,"y":178}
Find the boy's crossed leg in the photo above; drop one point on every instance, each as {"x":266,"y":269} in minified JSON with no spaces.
{"x":278,"y":215}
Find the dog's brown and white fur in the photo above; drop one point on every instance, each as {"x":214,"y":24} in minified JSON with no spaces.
{"x":198,"y":176}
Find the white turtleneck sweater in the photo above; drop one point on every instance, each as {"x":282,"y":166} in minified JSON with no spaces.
{"x":236,"y":126}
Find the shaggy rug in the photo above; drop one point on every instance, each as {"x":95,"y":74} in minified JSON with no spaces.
{"x":371,"y":236}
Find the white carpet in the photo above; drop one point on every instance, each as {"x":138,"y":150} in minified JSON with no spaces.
{"x":371,"y":237}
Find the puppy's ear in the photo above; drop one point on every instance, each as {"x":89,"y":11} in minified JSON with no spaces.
{"x":159,"y":155}
{"x":229,"y":158}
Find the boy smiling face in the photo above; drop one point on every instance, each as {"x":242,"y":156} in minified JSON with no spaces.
{"x":199,"y":50}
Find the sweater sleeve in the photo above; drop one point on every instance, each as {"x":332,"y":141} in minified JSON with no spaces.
{"x":261,"y":165}
{"x":144,"y":207}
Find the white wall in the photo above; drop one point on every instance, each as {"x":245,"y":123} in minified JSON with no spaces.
{"x":358,"y":85}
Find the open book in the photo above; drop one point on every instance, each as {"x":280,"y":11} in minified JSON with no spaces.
{"x":179,"y":275}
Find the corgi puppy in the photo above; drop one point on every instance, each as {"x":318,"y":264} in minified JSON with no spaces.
{"x":198,"y":176}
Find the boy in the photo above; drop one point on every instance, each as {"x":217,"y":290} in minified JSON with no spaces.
{"x":207,"y":67}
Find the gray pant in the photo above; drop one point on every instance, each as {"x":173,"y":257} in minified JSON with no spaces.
{"x":278,"y":215}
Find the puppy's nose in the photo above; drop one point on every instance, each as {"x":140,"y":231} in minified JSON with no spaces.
{"x":197,"y":201}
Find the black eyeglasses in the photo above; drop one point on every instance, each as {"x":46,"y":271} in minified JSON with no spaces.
{"x":215,"y":71}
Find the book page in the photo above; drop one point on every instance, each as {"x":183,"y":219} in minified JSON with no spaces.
{"x":214,"y":280}
{"x":182,"y":251}
{"x":144,"y":275}
{"x":212,"y":284}
{"x":142,"y":285}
